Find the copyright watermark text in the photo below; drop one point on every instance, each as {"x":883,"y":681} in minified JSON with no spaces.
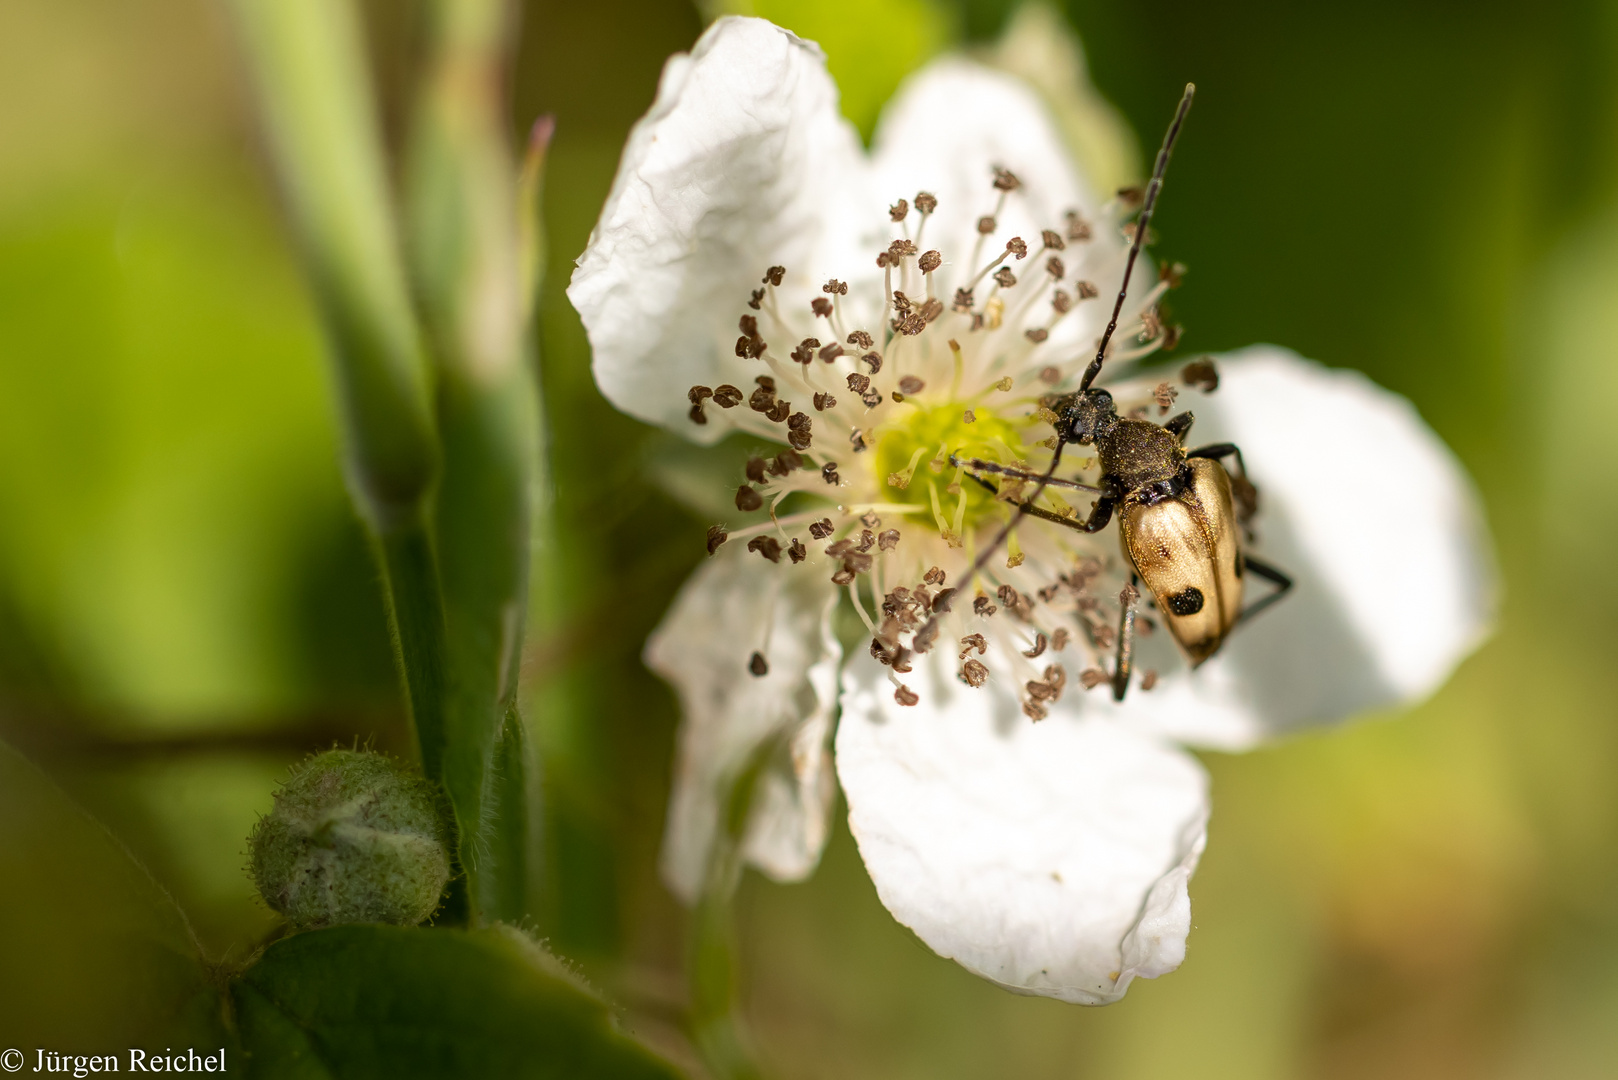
{"x":168,"y":1060}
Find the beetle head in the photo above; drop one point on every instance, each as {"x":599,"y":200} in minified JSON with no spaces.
{"x":1084,"y":416}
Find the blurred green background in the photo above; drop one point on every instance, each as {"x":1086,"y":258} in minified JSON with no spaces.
{"x":1427,"y":192}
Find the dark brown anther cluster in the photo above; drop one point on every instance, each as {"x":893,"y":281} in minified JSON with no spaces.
{"x":986,"y":224}
{"x":831,"y":352}
{"x":934,"y":576}
{"x":748,"y":500}
{"x":1164,"y":394}
{"x":774,"y":274}
{"x":1061,"y":301}
{"x":759,"y":666}
{"x":1005,"y":179}
{"x":821,"y":307}
{"x":1018,"y":604}
{"x":856,"y":438}
{"x":716,"y":536}
{"x":755,"y":469}
{"x":1055,"y":267}
{"x":982,"y":605}
{"x":1059,"y":638}
{"x":820,"y":529}
{"x":1052,"y":240}
{"x":696,"y":395}
{"x":756,"y":301}
{"x":974,"y":674}
{"x":910,"y":384}
{"x":1088,"y":291}
{"x":785,"y":462}
{"x":861,"y":340}
{"x":1090,"y":678}
{"x":932,"y":309}
{"x":858,"y":383}
{"x":828,"y":473}
{"x":930,"y":261}
{"x":888,"y":539}
{"x":873,"y":361}
{"x":926,"y":202}
{"x":798,"y":427}
{"x":805,"y":352}
{"x":1078,"y":230}
{"x":727,"y":396}
{"x":972,"y":642}
{"x":750,"y":346}
{"x":767,"y":546}
{"x":1004,"y":278}
{"x":899,"y":211}
{"x":900,"y":249}
{"x":1202,"y":374}
{"x":1041,"y":643}
{"x":1171,"y":336}
{"x":905,"y":696}
{"x":796,"y":551}
{"x":835,"y":288}
{"x":824,"y":402}
{"x":1036,"y":334}
{"x":1018,"y":247}
{"x":1043,"y":691}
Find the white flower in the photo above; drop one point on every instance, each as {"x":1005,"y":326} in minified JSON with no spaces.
{"x":755,"y":271}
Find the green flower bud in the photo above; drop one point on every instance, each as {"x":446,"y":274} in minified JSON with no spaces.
{"x":354,"y":837}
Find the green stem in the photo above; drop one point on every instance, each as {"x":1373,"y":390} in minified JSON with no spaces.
{"x":417,"y":615}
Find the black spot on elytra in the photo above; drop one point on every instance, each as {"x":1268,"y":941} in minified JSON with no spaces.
{"x":1186,"y":602}
{"x":761,"y":667}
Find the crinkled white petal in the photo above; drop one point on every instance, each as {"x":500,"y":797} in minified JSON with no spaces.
{"x":1381,"y":530}
{"x":1051,"y":858}
{"x":742,"y":163}
{"x":733,"y":605}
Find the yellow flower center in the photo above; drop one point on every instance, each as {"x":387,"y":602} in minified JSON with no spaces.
{"x":912,"y":462}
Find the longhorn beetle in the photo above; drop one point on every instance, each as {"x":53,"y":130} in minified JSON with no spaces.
{"x":1176,"y":514}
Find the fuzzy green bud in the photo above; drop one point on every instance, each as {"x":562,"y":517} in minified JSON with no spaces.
{"x":354,"y":837}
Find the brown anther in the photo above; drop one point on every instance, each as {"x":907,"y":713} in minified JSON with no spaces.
{"x":755,"y":470}
{"x":870,"y":520}
{"x":905,"y":696}
{"x":873,"y":361}
{"x":697,"y":394}
{"x":872,"y":398}
{"x":899,"y":211}
{"x":805,"y":352}
{"x":901,"y":302}
{"x":969,"y":417}
{"x":828,"y":473}
{"x":727,"y":396}
{"x":880,"y":652}
{"x":759,"y":666}
{"x":779,"y":412}
{"x":1148,"y":679}
{"x":1151,"y":324}
{"x":982,"y":606}
{"x":1055,"y":268}
{"x":1052,"y":240}
{"x":859,"y":383}
{"x":857,"y":561}
{"x":1034,"y":711}
{"x":1131,"y":197}
{"x":1202,"y":374}
{"x":986,"y":224}
{"x":1059,"y":638}
{"x":748,"y":500}
{"x":716,"y":536}
{"x":1036,"y":334}
{"x":974,"y":674}
{"x":1018,"y":247}
{"x":926,"y":637}
{"x":911,"y":385}
{"x":930,"y":261}
{"x":1005,"y":180}
{"x":861,"y":340}
{"x":749,"y":326}
{"x":900,"y":249}
{"x":750,"y":348}
{"x":888,"y":540}
{"x":1164,"y":394}
{"x":1038,"y":649}
{"x":1016,"y":601}
{"x":756,"y":301}
{"x":911,"y":325}
{"x":1056,"y":678}
{"x":838,"y":548}
{"x":820,"y":529}
{"x":971,"y":642}
{"x":934,"y":576}
{"x":697,"y":416}
{"x":796,"y":551}
{"x":784,"y":462}
{"x":774,"y":274}
{"x":1090,"y":678}
{"x":867,"y":540}
{"x":767,"y":546}
{"x":835,"y":288}
{"x":963,"y":300}
{"x":1004,"y":278}
{"x":1171,"y":336}
{"x":799,"y":422}
{"x":932,"y":309}
{"x":1087,"y":291}
{"x":821,"y":307}
{"x":830,"y":352}
{"x":944,"y":600}
{"x":761,"y":400}
{"x":882,"y":260}
{"x":1050,"y":376}
{"x":1061,"y":301}
{"x":824,"y":402}
{"x":1077,"y":228}
{"x":1040,"y":691}
{"x":799,"y":438}
{"x":842,"y":576}
{"x":926,"y":202}
{"x":1173,"y":273}
{"x":977,"y":320}
{"x":856,"y":439}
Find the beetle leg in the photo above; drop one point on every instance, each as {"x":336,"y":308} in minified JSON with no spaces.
{"x":979,"y":465}
{"x":1180,"y":426}
{"x":1241,"y":486}
{"x":1125,"y":662}
{"x":1216,"y":451}
{"x":1282,"y":583}
{"x":1098,"y":519}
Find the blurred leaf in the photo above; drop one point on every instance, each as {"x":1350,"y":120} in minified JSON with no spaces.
{"x":93,"y":949}
{"x":380,"y":1001}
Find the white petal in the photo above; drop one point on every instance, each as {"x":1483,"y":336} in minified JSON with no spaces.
{"x":740,"y":164}
{"x":1381,"y":529}
{"x":733,"y":605}
{"x":1051,"y":858}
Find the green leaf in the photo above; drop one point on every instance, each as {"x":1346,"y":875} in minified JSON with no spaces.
{"x":382,"y":1001}
{"x":94,"y":951}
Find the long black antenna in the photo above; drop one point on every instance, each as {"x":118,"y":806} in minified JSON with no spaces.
{"x":1141,"y":222}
